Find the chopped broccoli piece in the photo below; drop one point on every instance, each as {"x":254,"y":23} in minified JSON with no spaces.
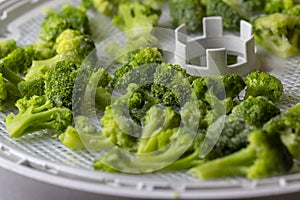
{"x":9,"y":94}
{"x":32,"y":87}
{"x":35,"y":114}
{"x":278,"y":33}
{"x":256,"y":110}
{"x":71,"y":46}
{"x":59,"y":83}
{"x":6,"y":47}
{"x":233,"y":137}
{"x":263,"y":84}
{"x":188,"y":12}
{"x":278,"y":6}
{"x":107,"y":7}
{"x":287,"y":125}
{"x":246,"y":8}
{"x":85,"y":135}
{"x":231,"y":18}
{"x":156,"y":121}
{"x":264,"y":156}
{"x":136,"y":18}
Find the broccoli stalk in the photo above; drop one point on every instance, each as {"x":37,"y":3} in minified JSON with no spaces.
{"x":264,"y":156}
{"x":35,"y":114}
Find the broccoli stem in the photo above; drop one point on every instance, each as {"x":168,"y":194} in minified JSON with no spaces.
{"x":18,"y":127}
{"x":237,"y":163}
{"x":11,"y":76}
{"x":48,"y":62}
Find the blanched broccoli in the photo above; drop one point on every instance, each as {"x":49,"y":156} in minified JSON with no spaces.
{"x":287,"y":125}
{"x":59,"y":83}
{"x":221,"y":86}
{"x":278,"y":6}
{"x":85,"y":135}
{"x":188,"y":12}
{"x":233,"y":137}
{"x":54,"y":24}
{"x":156,"y":122}
{"x":35,"y":114}
{"x":6,"y":47}
{"x":141,"y":59}
{"x":256,"y":110}
{"x":265,"y":156}
{"x":71,"y":46}
{"x":116,"y":128}
{"x":246,"y":8}
{"x":263,"y":84}
{"x":29,"y":88}
{"x":9,"y":94}
{"x":107,"y":7}
{"x":231,"y":18}
{"x":136,"y":18}
{"x":278,"y":33}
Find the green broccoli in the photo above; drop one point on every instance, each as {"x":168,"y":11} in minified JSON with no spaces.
{"x":71,"y":46}
{"x":188,"y":12}
{"x":141,"y":59}
{"x":287,"y":125}
{"x":107,"y":7}
{"x":169,"y":158}
{"x":263,"y":84}
{"x":59,"y":83}
{"x":231,"y":18}
{"x":222,"y":86}
{"x":9,"y":94}
{"x":264,"y":156}
{"x":85,"y":135}
{"x":136,"y":18}
{"x":233,"y":137}
{"x":256,"y":110}
{"x":277,"y":6}
{"x":6,"y":47}
{"x":35,"y":114}
{"x":156,"y":121}
{"x":246,"y":8}
{"x":29,"y":88}
{"x":278,"y":33}
{"x":54,"y":24}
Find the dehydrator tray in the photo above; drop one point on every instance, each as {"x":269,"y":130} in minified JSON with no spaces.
{"x":45,"y":159}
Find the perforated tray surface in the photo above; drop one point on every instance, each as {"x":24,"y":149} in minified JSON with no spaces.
{"x":42,"y":153}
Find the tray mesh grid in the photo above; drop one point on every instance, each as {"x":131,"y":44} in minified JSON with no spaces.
{"x":43,"y":147}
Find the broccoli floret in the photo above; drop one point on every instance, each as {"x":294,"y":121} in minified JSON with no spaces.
{"x":107,"y":7}
{"x":172,"y":85}
{"x":188,"y":12}
{"x":246,"y":8}
{"x":228,"y":86}
{"x":263,"y":84}
{"x":231,"y":18}
{"x":57,"y":22}
{"x":6,"y":47}
{"x":293,"y":11}
{"x":85,"y":135}
{"x":156,"y":121}
{"x":35,"y":114}
{"x":9,"y":94}
{"x":165,"y":159}
{"x":71,"y":46}
{"x":143,"y":60}
{"x":278,"y":6}
{"x":256,"y":110}
{"x":113,"y":124}
{"x":233,"y":137}
{"x":264,"y":156}
{"x":32,"y":87}
{"x":59,"y":83}
{"x":278,"y":33}
{"x":136,"y":18}
{"x":287,"y":125}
